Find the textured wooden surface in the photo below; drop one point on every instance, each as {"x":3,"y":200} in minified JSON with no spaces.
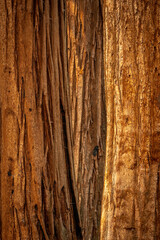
{"x":130,"y":207}
{"x":61,"y":121}
{"x":52,"y":112}
{"x":85,"y":59}
{"x":38,"y":190}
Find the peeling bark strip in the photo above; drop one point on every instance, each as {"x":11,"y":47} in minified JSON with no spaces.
{"x":131,"y":198}
{"x":52,"y":119}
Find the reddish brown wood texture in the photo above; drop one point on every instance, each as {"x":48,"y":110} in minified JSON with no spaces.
{"x":131,"y":198}
{"x":51,"y":95}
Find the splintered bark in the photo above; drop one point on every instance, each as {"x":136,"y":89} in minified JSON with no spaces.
{"x":38,"y":187}
{"x":52,"y":119}
{"x":85,"y":60}
{"x":131,"y":199}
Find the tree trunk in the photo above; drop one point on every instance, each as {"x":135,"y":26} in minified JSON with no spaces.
{"x":52,"y":119}
{"x":85,"y":59}
{"x":38,"y":188}
{"x":131,"y":198}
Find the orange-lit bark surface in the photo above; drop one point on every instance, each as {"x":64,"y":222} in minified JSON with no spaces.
{"x":131,"y":198}
{"x":59,"y":124}
{"x":52,"y":112}
{"x":38,"y":190}
{"x":85,"y":59}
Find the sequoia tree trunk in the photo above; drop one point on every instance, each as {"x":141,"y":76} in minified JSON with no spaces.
{"x":52,"y":119}
{"x":131,"y":198}
{"x":38,"y":190}
{"x":85,"y":59}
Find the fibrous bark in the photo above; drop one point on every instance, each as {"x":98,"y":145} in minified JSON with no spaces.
{"x":38,"y":190}
{"x":131,"y":198}
{"x":51,"y":119}
{"x":85,"y":60}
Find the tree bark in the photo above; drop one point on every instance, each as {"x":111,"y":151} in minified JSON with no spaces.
{"x":38,"y":188}
{"x":52,"y":119}
{"x":131,"y":197}
{"x":85,"y":59}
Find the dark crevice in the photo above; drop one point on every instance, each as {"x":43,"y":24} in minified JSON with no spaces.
{"x":34,"y":12}
{"x":101,"y":10}
{"x":55,"y":232}
{"x":44,"y":119}
{"x":37,"y":91}
{"x":43,"y":202}
{"x":40,"y":230}
{"x":25,"y":5}
{"x":61,"y":32}
{"x":75,"y":211}
{"x":18,"y":140}
{"x":27,"y":166}
{"x":43,"y":5}
{"x":16,"y":62}
{"x":50,"y":93}
{"x":64,"y":9}
{"x":20,"y":234}
{"x":157,"y":208}
{"x":22,"y":101}
{"x":56,"y":212}
{"x":64,"y":206}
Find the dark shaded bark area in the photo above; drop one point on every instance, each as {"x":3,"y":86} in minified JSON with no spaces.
{"x":52,"y":127}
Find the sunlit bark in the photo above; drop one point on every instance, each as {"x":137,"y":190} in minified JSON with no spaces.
{"x":52,"y":119}
{"x":130,"y":207}
{"x":85,"y":60}
{"x":55,"y":110}
{"x":38,"y":187}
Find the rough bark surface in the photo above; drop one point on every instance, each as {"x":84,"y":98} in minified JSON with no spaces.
{"x":53,"y":120}
{"x":85,"y":59}
{"x":131,"y":199}
{"x":51,"y":117}
{"x":38,"y":191}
